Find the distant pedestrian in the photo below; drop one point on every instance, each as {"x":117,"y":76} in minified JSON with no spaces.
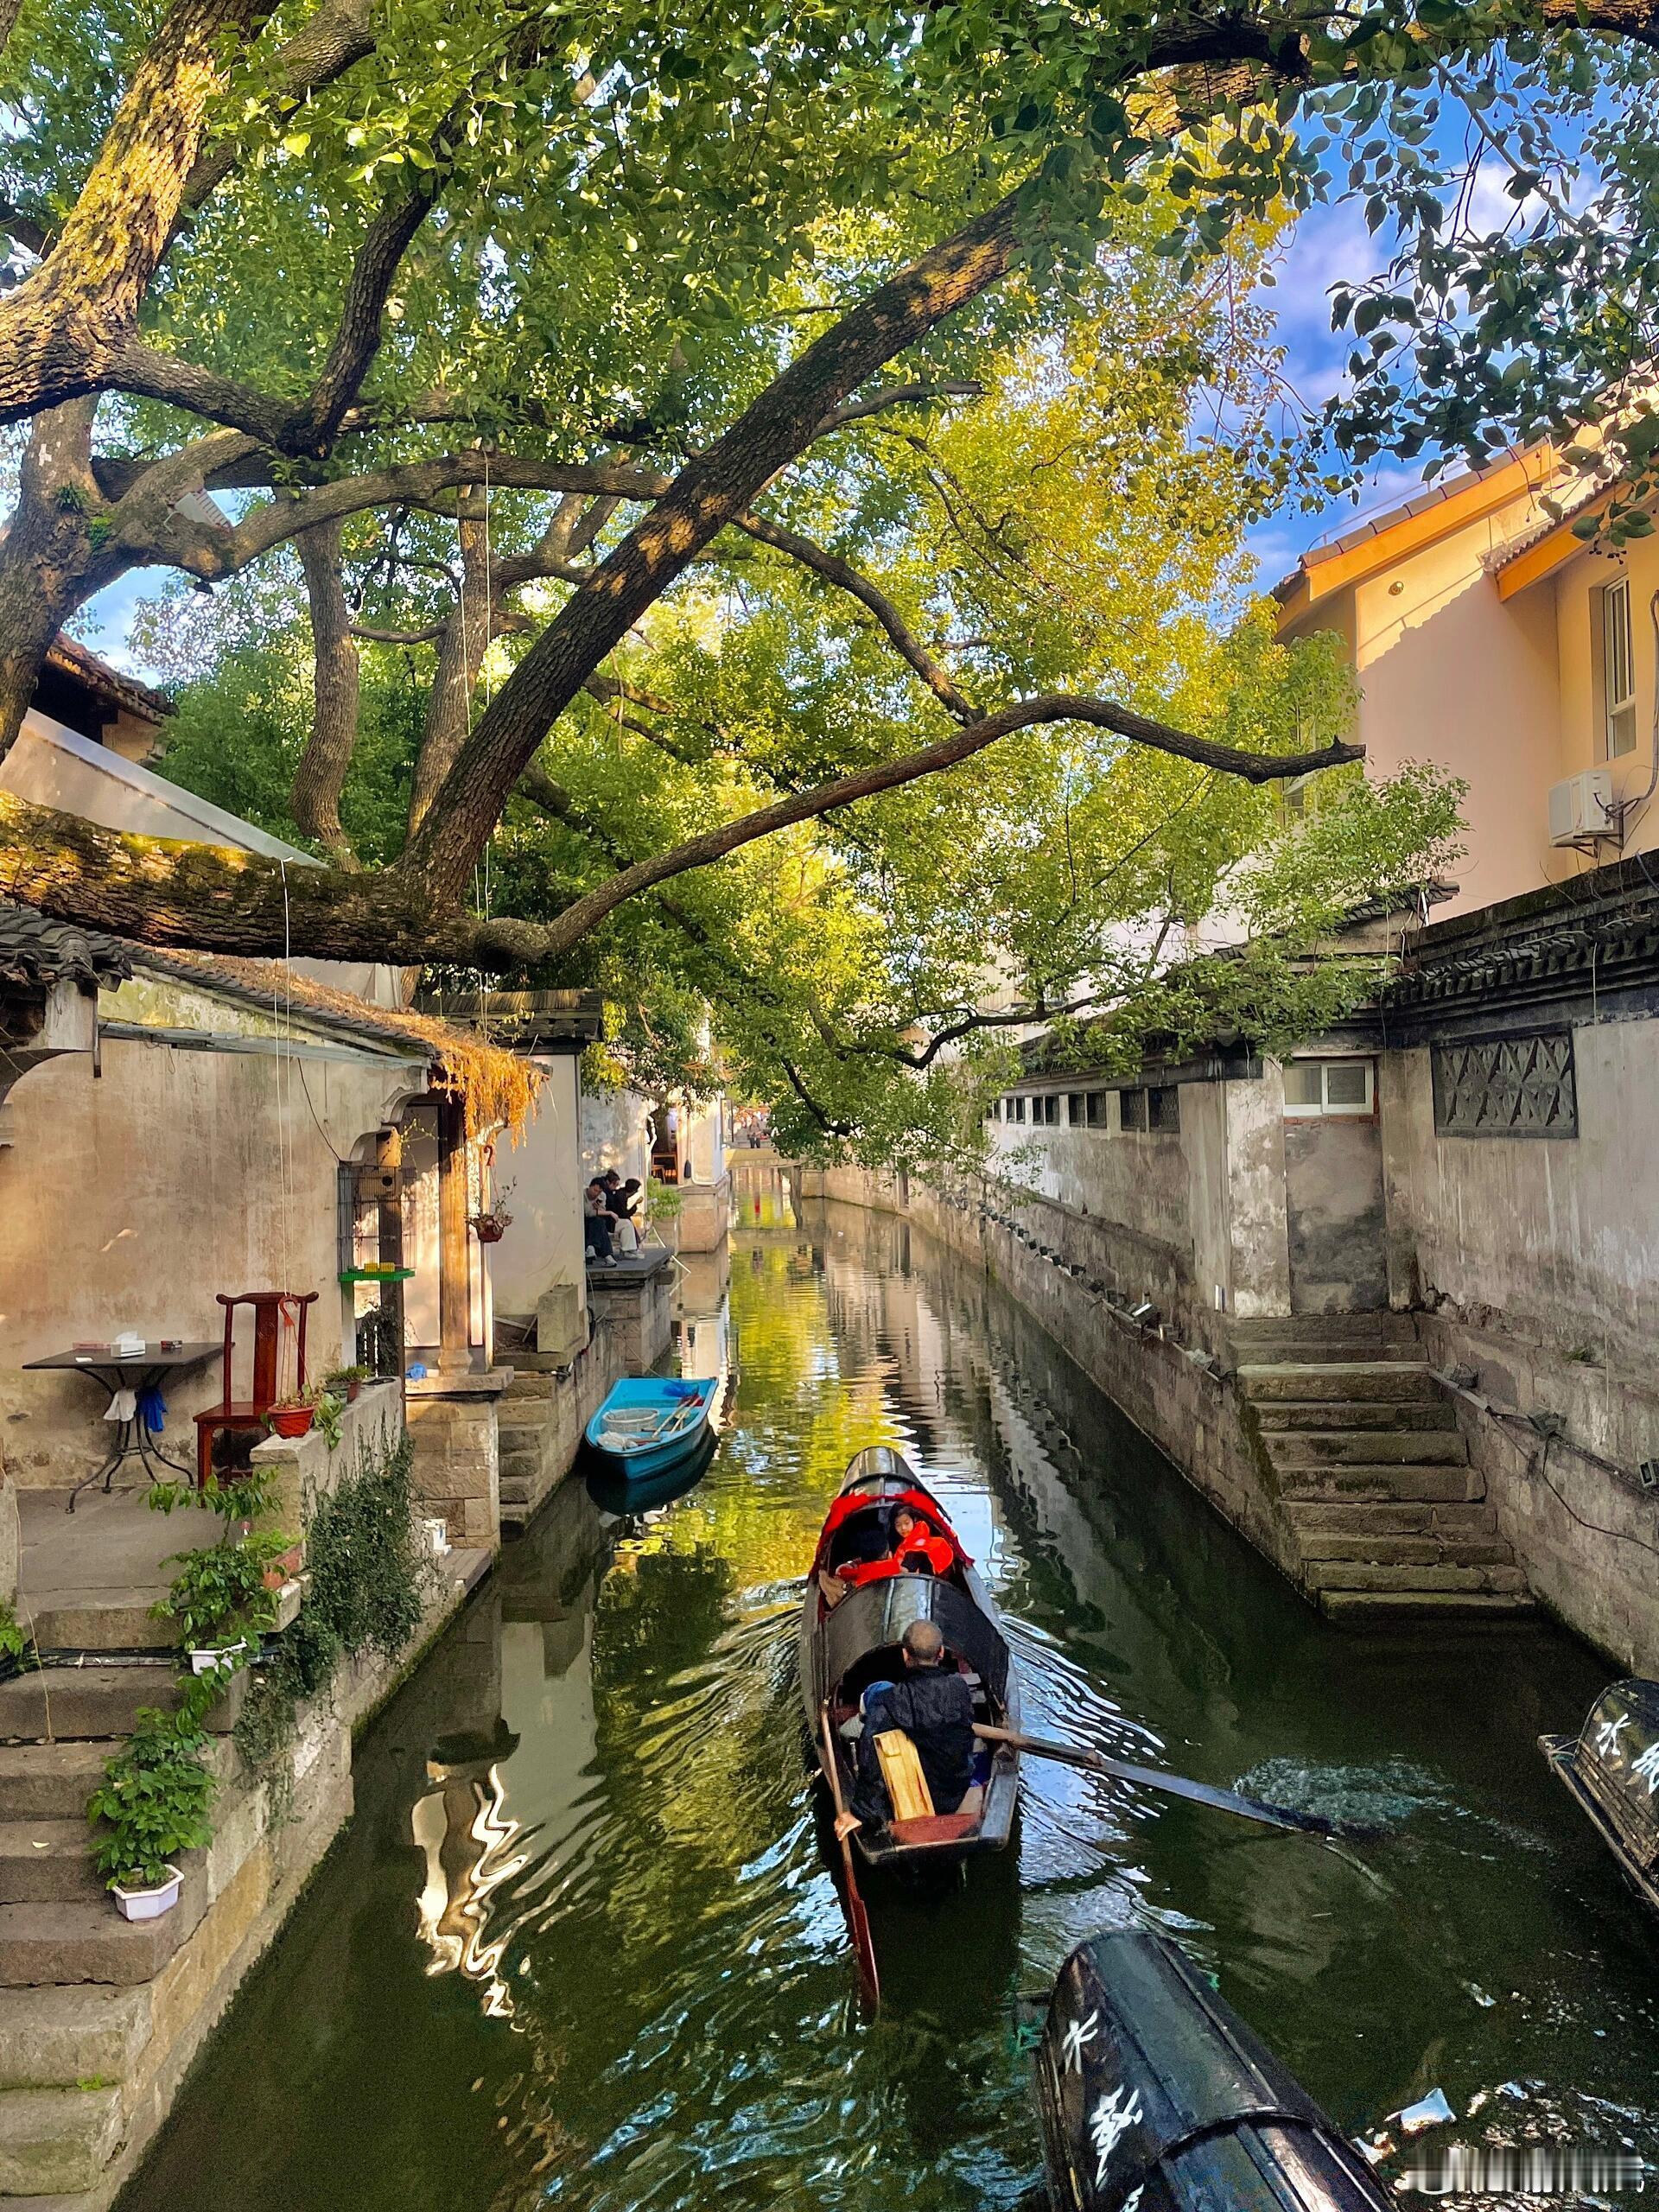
{"x":596,"y":1225}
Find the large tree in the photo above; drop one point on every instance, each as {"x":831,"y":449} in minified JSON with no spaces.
{"x":691,"y":247}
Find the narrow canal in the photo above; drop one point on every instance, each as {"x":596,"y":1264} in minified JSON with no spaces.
{"x":580,"y":1947}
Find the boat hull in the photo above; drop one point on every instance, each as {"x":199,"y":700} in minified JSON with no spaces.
{"x":680,"y":1412}
{"x":835,"y":1647}
{"x":1611,"y":1770}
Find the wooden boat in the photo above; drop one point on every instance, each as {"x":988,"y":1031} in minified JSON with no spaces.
{"x":1611,"y":1770}
{"x":625,"y":1495}
{"x":846,"y":1647}
{"x":1154,"y":2093}
{"x":650,"y":1423}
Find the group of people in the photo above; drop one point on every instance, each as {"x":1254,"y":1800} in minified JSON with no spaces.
{"x":912,"y":1548}
{"x":613,"y":1221}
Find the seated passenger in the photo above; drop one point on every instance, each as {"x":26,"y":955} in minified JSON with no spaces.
{"x":915,"y":1548}
{"x":934,"y":1706}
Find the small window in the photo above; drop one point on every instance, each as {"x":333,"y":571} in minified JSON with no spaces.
{"x":1132,"y":1110}
{"x":1617,"y":670}
{"x":1097,"y":1113}
{"x":1019,"y":1109}
{"x":1330,"y":1087}
{"x":1052,"y":1109}
{"x":1164,"y":1110}
{"x":1075,"y":1109}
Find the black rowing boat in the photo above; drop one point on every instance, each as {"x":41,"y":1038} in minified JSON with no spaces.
{"x":1155,"y":2095}
{"x":847,"y":1646}
{"x":1611,"y":1770}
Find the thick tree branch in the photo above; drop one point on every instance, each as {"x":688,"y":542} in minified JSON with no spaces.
{"x":321,"y":776}
{"x":896,"y":395}
{"x":713,"y":490}
{"x":166,"y":893}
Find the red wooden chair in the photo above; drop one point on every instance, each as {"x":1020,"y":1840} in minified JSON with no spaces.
{"x":272,"y":1310}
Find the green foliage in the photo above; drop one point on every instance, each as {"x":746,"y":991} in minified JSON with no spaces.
{"x":364,"y":1593}
{"x":16,"y":1641}
{"x":219,"y":1591}
{"x":153,"y":1803}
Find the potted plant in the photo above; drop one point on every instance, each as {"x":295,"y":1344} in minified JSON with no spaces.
{"x":344,"y":1382}
{"x":152,"y":1803}
{"x":294,"y":1414}
{"x":491,"y":1224}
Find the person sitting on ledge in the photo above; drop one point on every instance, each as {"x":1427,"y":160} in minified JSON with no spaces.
{"x":596,"y":1225}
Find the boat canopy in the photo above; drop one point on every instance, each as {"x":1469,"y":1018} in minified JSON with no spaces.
{"x":874,"y":1618}
{"x":1617,"y":1762}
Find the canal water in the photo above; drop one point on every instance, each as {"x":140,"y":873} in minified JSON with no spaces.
{"x":579,"y":1947}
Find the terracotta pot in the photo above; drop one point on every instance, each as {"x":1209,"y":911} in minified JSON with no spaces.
{"x":285,"y":1568}
{"x":352,"y":1387}
{"x":489,"y":1232}
{"x":292,"y":1421}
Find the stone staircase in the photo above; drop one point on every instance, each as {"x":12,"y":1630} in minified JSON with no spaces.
{"x":1386,"y":1520}
{"x":78,"y":1985}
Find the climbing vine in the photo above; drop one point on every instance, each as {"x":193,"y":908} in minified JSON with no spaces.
{"x":364,"y":1594}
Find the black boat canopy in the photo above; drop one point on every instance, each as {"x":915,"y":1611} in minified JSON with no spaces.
{"x":874,"y":1618}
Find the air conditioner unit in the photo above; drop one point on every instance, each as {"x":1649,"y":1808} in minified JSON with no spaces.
{"x":1583,"y":807}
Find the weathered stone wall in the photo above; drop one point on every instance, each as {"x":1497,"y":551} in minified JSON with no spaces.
{"x":457,"y":1470}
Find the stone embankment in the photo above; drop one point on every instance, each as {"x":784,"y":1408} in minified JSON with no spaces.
{"x":1328,"y":1441}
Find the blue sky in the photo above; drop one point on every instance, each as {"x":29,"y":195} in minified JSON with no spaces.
{"x":1327,"y":245}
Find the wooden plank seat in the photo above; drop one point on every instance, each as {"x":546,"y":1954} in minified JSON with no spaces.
{"x":934,"y":1827}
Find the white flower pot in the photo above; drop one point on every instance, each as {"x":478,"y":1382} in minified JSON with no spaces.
{"x":149,"y":1904}
{"x":438,"y":1537}
{"x":205,"y":1658}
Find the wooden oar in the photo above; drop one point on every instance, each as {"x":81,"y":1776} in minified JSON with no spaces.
{"x":1174,"y":1785}
{"x":857,"y":1919}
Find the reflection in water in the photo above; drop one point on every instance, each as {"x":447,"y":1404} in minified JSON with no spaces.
{"x":581,"y":1946}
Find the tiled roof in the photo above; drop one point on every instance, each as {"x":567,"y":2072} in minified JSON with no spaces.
{"x":36,"y":950}
{"x":499,"y":1086}
{"x":71,"y":658}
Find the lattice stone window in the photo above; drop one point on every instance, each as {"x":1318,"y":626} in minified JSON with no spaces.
{"x":1506,"y":1087}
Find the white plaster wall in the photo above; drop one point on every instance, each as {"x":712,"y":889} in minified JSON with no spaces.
{"x":128,"y":1200}
{"x":615,"y":1133}
{"x":1555,"y":1241}
{"x":1576,"y":615}
{"x":546,"y":1169}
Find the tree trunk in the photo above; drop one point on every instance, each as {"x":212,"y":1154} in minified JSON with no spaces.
{"x":462,"y":647}
{"x":713,"y":490}
{"x":321,"y":776}
{"x":48,"y":563}
{"x":62,"y":330}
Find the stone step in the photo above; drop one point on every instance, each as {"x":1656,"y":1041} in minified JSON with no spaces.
{"x":62,"y":1702}
{"x":1450,"y":1485}
{"x":1274,"y":1415}
{"x":527,"y":1383}
{"x":56,"y":2142}
{"x":53,"y":2038}
{"x":100,"y":1620}
{"x":1407,"y":1550}
{"x":521,"y":1466}
{"x":1422,"y":1447}
{"x":1396,"y":1517}
{"x":1406,"y":1381}
{"x":46,"y":1862}
{"x":51,"y":1781}
{"x":1360,"y":1574}
{"x":42,"y":1943}
{"x":1411,"y":1608}
{"x":1318,"y":1329}
{"x":515,"y":1491}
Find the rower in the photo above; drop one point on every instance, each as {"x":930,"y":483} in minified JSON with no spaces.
{"x":931,"y":1705}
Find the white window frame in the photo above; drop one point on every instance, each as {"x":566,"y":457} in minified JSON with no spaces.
{"x":1324,"y":1109}
{"x":1618,"y":668}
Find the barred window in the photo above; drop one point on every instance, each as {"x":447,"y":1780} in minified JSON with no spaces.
{"x":1164,"y":1110}
{"x":1132,"y":1110}
{"x":1098,"y":1116}
{"x":1074,"y":1109}
{"x":1506,"y":1087}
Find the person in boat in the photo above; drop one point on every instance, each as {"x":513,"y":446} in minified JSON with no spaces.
{"x":915,"y":1548}
{"x":934,"y":1707}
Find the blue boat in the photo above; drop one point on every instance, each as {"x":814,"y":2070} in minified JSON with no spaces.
{"x":649,"y":1423}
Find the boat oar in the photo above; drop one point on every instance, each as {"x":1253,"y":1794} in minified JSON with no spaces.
{"x":857,"y":1919}
{"x":1173,"y":1785}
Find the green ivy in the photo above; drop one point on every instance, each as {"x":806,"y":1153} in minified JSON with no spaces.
{"x":366,"y":1574}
